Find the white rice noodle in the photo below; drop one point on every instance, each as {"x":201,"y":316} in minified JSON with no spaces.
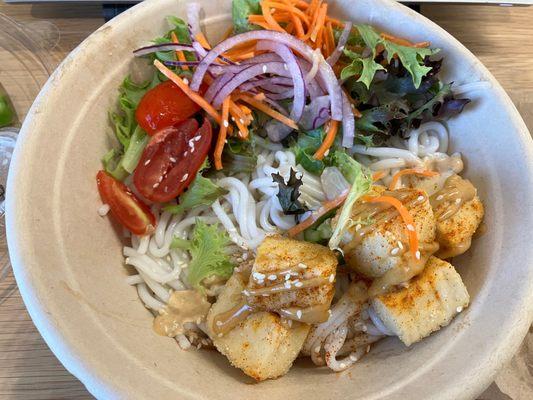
{"x":334,"y":344}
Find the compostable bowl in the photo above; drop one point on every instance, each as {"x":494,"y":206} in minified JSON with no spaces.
{"x":68,"y":260}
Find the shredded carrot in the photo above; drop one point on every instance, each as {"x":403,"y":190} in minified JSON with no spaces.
{"x":268,"y":111}
{"x":203,"y":41}
{"x":328,"y":140}
{"x":240,"y":119}
{"x":406,"y":217}
{"x":290,"y":9}
{"x":326,"y":207}
{"x":320,"y":21}
{"x":330,"y":38}
{"x":335,"y":22}
{"x":221,"y":140}
{"x":179,"y":54}
{"x":403,"y":42}
{"x":188,"y":91}
{"x":265,"y":8}
{"x":399,"y":174}
{"x":376,"y":176}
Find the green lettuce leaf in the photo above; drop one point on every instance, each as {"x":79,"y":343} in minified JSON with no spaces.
{"x":305,"y":147}
{"x":365,"y":68}
{"x":360,"y":185}
{"x":240,"y":10}
{"x":7,"y":115}
{"x":202,"y":191}
{"x":181,"y":30}
{"x":349,"y":168}
{"x":208,"y":254}
{"x":122,"y":160}
{"x":239,"y":156}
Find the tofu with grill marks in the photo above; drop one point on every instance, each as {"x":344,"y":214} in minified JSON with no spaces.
{"x":385,"y":246}
{"x":261,"y":346}
{"x":282,"y":261}
{"x":455,"y":233}
{"x":430,"y":301}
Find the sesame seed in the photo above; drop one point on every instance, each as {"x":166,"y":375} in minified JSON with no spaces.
{"x":245,"y":256}
{"x":317,"y":349}
{"x":160,"y":178}
{"x":192,"y":150}
{"x":364,"y":328}
{"x":410,"y":228}
{"x":342,"y":365}
{"x":241,"y":120}
{"x":299,"y":314}
{"x":186,"y":81}
{"x":103,"y":210}
{"x":172,"y":159}
{"x":420,"y":198}
{"x":341,"y":48}
{"x":287,"y":277}
{"x":259,"y":276}
{"x":165,"y":189}
{"x":459,"y":309}
{"x":239,"y":259}
{"x":264,"y":69}
{"x":353,"y":357}
{"x":246,"y":292}
{"x":395,"y":251}
{"x":400,"y":245}
{"x":358,"y":226}
{"x":219,"y":323}
{"x":285,"y":67}
{"x":329,"y":312}
{"x":367,"y":348}
{"x":458,"y":201}
{"x":197,"y":138}
{"x":147,"y":162}
{"x":220,"y":335}
{"x":287,"y":284}
{"x":331,"y":278}
{"x":440,"y":197}
{"x":302,"y":266}
{"x":298,"y":284}
{"x":417,"y":255}
{"x":185,"y":154}
{"x":326,"y":153}
{"x":155,"y":185}
{"x":272,"y":277}
{"x":226,"y":123}
{"x":184,"y":177}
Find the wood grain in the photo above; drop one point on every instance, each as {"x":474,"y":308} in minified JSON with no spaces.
{"x":502,"y":37}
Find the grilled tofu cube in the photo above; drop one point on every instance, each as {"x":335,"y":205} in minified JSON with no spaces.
{"x":260,"y":345}
{"x":292,"y":264}
{"x":384,"y":244}
{"x":455,"y":233}
{"x":430,"y":301}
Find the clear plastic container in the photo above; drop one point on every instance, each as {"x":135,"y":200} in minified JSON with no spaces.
{"x":24,"y":68}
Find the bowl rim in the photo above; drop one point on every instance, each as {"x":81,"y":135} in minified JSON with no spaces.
{"x":106,"y":387}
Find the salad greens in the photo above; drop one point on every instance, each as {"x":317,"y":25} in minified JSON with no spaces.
{"x":122,"y":160}
{"x":202,"y":191}
{"x":412,"y":58}
{"x":289,"y":192}
{"x":207,"y":248}
{"x":240,"y":11}
{"x":239,"y":155}
{"x":360,"y":185}
{"x":180,"y":29}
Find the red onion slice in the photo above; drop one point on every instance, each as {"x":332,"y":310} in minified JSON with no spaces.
{"x":292,"y":66}
{"x":264,"y":82}
{"x":162,"y":47}
{"x":287,"y":94}
{"x":193,"y":17}
{"x":217,"y":84}
{"x":316,"y":113}
{"x":348,"y":123}
{"x":251,"y":71}
{"x":343,"y":39}
{"x":325,"y":70}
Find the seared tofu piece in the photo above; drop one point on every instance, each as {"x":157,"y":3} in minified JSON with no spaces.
{"x":430,"y":301}
{"x":455,"y":233}
{"x":261,"y":345}
{"x":384,"y":243}
{"x":292,"y":266}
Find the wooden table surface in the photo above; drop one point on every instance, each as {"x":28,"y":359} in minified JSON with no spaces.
{"x":502,"y":37}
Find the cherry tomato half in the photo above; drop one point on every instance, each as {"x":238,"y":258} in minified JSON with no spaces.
{"x":171,"y":160}
{"x":127,"y":208}
{"x":162,"y":106}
